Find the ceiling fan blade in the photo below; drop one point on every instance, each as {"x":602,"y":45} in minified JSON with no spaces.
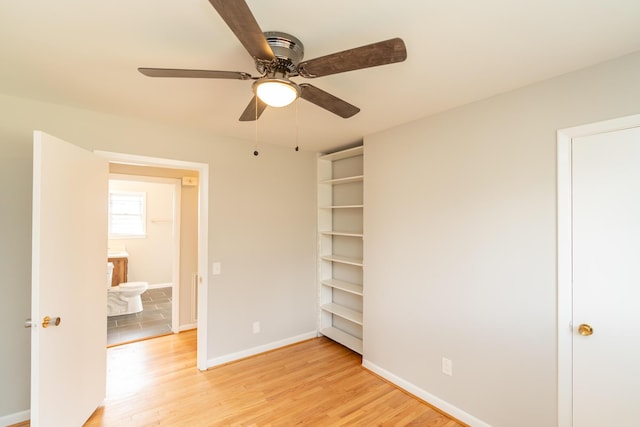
{"x":203,"y":74}
{"x":327,"y":101}
{"x":241,"y":21}
{"x":372,"y":55}
{"x":253,"y":111}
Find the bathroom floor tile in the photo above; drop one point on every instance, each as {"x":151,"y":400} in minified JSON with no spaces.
{"x":127,"y":327}
{"x":165,"y":312}
{"x":153,"y":320}
{"x":126,"y":319}
{"x":153,"y":315}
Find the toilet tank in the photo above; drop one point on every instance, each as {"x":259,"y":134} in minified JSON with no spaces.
{"x":109,"y":274}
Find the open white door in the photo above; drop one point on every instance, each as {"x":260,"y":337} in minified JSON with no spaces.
{"x":68,"y":361}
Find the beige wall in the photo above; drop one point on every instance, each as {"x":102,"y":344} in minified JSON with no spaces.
{"x":460,"y":247}
{"x":261,"y":228}
{"x":188,"y":230}
{"x":15,"y":268}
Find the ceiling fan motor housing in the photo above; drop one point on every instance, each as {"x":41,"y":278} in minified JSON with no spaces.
{"x":288,"y":52}
{"x":285,"y":46}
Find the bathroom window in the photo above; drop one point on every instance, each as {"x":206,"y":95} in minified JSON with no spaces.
{"x":127,"y":214}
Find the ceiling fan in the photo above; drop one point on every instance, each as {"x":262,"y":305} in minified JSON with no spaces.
{"x":277,"y":57}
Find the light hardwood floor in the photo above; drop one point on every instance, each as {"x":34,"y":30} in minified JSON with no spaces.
{"x":313,"y":383}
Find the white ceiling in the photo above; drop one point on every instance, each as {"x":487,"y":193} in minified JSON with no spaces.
{"x":86,"y":53}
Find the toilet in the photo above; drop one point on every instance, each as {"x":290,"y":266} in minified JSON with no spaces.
{"x":124,"y":298}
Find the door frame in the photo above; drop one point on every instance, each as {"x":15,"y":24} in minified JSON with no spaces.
{"x":203,"y":233}
{"x":565,"y":257}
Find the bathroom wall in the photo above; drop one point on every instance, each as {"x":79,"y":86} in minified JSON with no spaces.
{"x":151,"y":256}
{"x":188,"y":233}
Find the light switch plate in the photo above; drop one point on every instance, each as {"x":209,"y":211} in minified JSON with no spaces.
{"x":216,"y":268}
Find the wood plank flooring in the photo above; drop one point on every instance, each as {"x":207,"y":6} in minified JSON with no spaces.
{"x":313,"y":383}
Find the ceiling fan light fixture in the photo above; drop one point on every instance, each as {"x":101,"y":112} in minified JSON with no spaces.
{"x":276,"y":92}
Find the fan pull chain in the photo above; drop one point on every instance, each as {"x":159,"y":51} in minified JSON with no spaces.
{"x":255,"y":148}
{"x":297,"y":127}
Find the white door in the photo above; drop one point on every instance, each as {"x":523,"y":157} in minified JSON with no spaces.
{"x":606,"y":279}
{"x":69,"y":245}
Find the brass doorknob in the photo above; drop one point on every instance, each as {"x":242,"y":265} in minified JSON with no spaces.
{"x":585,"y":330}
{"x":50,"y":321}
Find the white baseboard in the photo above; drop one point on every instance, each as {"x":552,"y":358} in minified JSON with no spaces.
{"x":188,"y":327}
{"x":425,"y":395}
{"x":260,"y":349}
{"x":18,"y":417}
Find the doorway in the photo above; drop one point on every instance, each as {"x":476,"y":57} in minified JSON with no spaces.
{"x":145,"y":239}
{"x":200,"y":278}
{"x":598,"y":232}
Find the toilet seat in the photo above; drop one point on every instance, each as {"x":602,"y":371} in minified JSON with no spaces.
{"x":132,"y":284}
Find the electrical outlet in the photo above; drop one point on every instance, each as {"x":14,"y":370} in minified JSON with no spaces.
{"x":256,"y":327}
{"x":447,"y":366}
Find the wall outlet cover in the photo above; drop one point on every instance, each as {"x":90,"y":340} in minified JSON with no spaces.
{"x":447,"y":366}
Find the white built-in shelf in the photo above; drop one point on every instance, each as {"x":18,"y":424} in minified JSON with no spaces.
{"x":351,"y":152}
{"x":341,"y":233}
{"x":340,"y":211}
{"x":353,"y":288}
{"x":344,"y":338}
{"x":343,"y":207}
{"x":344,"y":312}
{"x":343,"y":260}
{"x":345,"y":180}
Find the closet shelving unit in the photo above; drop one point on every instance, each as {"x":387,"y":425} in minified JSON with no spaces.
{"x":340,"y":263}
